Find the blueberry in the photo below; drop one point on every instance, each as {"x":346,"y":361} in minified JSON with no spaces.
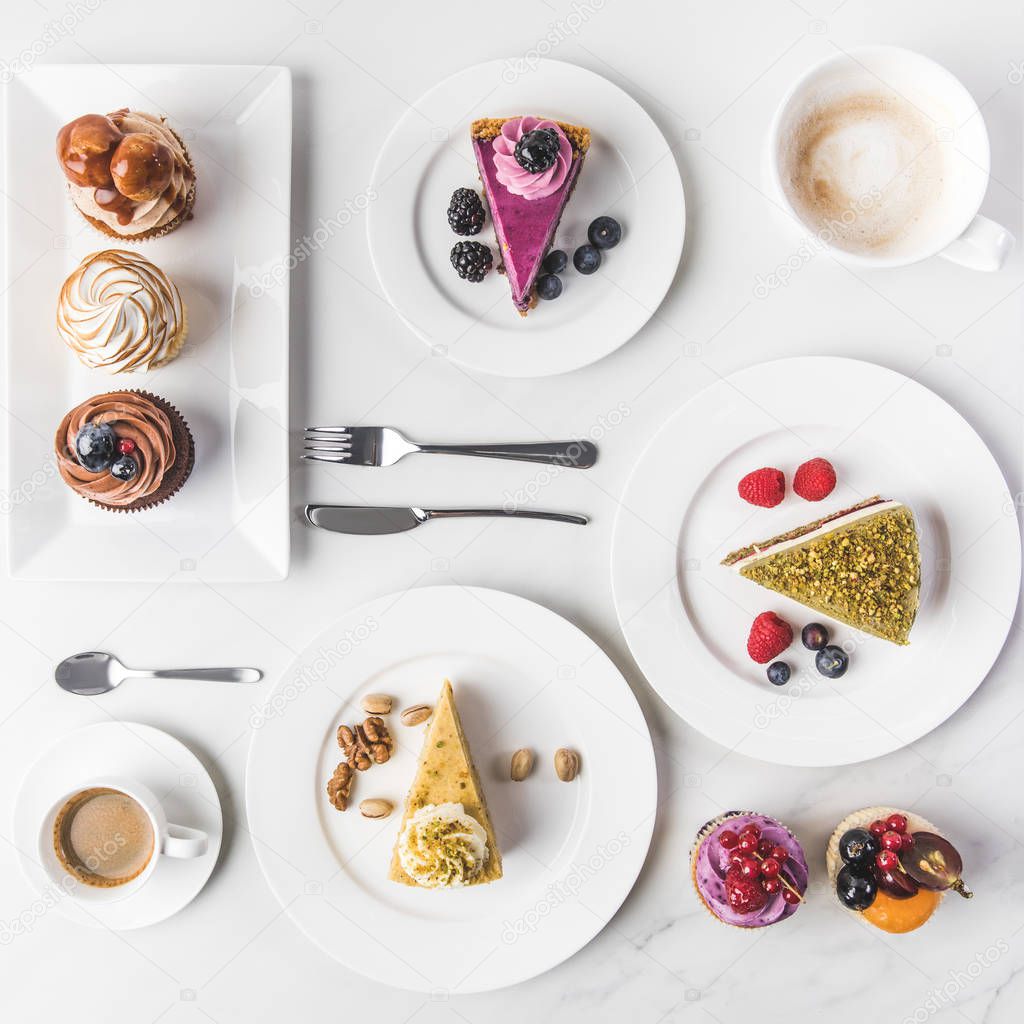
{"x":94,"y":446}
{"x":858,"y":847}
{"x":778,"y":673}
{"x":831,"y":661}
{"x":855,"y":889}
{"x":555,"y":262}
{"x":549,"y":286}
{"x":814,"y":636}
{"x":586,"y":259}
{"x":124,"y":468}
{"x":605,"y":232}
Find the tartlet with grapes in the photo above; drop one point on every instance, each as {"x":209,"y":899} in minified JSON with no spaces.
{"x":748,"y":870}
{"x":892,"y":868}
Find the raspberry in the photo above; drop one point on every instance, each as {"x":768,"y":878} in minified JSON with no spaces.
{"x":764,"y":487}
{"x":769,"y":637}
{"x":815,"y":480}
{"x":745,"y":895}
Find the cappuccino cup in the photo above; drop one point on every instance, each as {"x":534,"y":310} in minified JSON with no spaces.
{"x":103,"y":841}
{"x":884,"y":156}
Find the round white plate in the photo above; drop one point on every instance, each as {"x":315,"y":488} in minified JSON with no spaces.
{"x":629,"y":173}
{"x":523,"y":677}
{"x":162,"y":764}
{"x":686,"y":617}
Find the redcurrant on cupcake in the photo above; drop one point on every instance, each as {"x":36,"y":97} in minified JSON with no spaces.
{"x":124,"y":451}
{"x":748,"y":870}
{"x":891,"y":868}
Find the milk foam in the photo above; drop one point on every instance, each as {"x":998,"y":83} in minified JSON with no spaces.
{"x":868,"y":173}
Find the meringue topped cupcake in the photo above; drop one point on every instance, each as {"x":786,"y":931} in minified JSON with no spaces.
{"x":749,"y":871}
{"x":124,"y":451}
{"x":120,"y":313}
{"x":128,"y":173}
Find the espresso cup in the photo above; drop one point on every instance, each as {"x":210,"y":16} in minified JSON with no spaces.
{"x":103,"y":841}
{"x":884,"y":155}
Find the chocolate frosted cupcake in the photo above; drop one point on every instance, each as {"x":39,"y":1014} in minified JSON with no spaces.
{"x":124,"y":451}
{"x":749,"y":871}
{"x":128,"y":173}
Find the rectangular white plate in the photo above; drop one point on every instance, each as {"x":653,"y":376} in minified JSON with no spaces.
{"x":231,"y":519}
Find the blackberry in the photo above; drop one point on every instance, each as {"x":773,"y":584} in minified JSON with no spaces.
{"x":536,"y":151}
{"x":465,"y":212}
{"x":471,"y":260}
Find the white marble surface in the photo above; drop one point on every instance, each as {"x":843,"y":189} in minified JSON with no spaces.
{"x":710,"y":74}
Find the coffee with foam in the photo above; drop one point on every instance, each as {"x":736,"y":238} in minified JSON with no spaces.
{"x":103,"y":837}
{"x":867,"y":171}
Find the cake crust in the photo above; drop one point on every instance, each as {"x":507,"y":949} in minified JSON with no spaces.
{"x":486,"y":128}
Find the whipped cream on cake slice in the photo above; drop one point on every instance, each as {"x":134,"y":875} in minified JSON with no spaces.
{"x":860,"y":566}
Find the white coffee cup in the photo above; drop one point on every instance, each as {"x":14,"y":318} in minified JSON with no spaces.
{"x":947,"y":223}
{"x":169,"y":840}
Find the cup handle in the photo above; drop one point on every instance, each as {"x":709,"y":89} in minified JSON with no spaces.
{"x":182,"y":842}
{"x":983,"y":246}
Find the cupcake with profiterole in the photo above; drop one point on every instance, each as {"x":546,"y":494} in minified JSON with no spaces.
{"x":129,"y":174}
{"x":749,"y":870}
{"x":124,"y":451}
{"x":891,"y":868}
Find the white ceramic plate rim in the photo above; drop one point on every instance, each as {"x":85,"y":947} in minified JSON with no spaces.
{"x":413,"y":954}
{"x":649,"y":604}
{"x":524,"y":348}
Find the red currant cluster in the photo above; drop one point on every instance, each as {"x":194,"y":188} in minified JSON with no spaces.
{"x":755,"y":871}
{"x":893,"y":837}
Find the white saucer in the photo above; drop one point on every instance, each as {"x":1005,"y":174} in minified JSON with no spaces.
{"x":523,"y":677}
{"x":686,"y":617}
{"x":160,"y":762}
{"x":630,"y":173}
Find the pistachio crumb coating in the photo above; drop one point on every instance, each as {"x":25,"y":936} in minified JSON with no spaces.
{"x":866,"y":574}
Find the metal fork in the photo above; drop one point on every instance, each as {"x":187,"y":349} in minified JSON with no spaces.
{"x":383,"y":446}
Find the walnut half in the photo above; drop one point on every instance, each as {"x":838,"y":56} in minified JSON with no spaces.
{"x":366,"y":744}
{"x":339,"y":786}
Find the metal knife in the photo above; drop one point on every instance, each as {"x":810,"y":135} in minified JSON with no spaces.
{"x":374,"y":520}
